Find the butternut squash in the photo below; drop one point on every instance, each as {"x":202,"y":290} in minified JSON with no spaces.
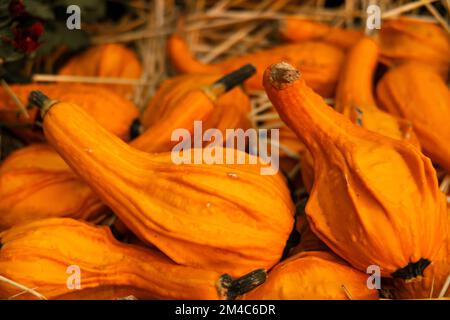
{"x":218,"y":217}
{"x":38,"y":255}
{"x":385,"y":190}
{"x":320,"y":62}
{"x":415,"y":92}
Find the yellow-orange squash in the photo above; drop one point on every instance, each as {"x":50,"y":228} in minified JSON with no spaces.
{"x":36,"y":183}
{"x":434,"y":278}
{"x":405,"y":39}
{"x":375,"y":200}
{"x":355,"y":99}
{"x":308,"y":240}
{"x":415,"y":92}
{"x":295,"y":29}
{"x":313,"y":275}
{"x":112,"y":111}
{"x":108,"y":60}
{"x":180,"y":101}
{"x":48,"y":255}
{"x":319,"y":61}
{"x":32,"y":178}
{"x":230,"y":112}
{"x":219,"y":217}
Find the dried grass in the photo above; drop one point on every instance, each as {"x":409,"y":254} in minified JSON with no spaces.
{"x":216,"y":30}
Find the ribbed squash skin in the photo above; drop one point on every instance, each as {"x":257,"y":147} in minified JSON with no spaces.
{"x":295,"y":29}
{"x":38,"y":254}
{"x":112,"y":111}
{"x":180,"y":101}
{"x":108,"y":60}
{"x":355,"y":99}
{"x":385,"y":190}
{"x":220,"y":217}
{"x":320,"y":62}
{"x":433,"y":279}
{"x":405,"y":39}
{"x":230,"y":111}
{"x":31,"y":195}
{"x":308,"y":240}
{"x":195,"y":106}
{"x":313,"y":275}
{"x":415,"y":92}
{"x":36,"y":183}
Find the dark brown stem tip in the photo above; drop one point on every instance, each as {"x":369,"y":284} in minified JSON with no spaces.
{"x":283,"y":74}
{"x":135,"y":128}
{"x":237,"y":77}
{"x":412,"y":270}
{"x":234,"y":288}
{"x":40,"y":100}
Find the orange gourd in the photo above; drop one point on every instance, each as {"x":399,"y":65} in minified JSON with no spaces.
{"x":38,"y":255}
{"x":307,"y":169}
{"x":28,"y":190}
{"x":36,"y":183}
{"x":406,"y":39}
{"x":294,"y":29}
{"x":434,"y":278}
{"x":112,"y":111}
{"x":180,"y":101}
{"x":415,"y":92}
{"x":313,"y":275}
{"x":230,"y":112}
{"x":108,"y":60}
{"x":219,"y":217}
{"x":289,"y":146}
{"x":354,"y":97}
{"x":319,"y":61}
{"x":308,"y":240}
{"x":375,"y":200}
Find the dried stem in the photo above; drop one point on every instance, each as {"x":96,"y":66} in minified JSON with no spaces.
{"x":87,"y":79}
{"x":16,"y":100}
{"x":22,"y":287}
{"x":405,"y":8}
{"x":445,"y":288}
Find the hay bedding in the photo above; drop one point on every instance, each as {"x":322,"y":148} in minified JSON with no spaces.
{"x":216,"y":30}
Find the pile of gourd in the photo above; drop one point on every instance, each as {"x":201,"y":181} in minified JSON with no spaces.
{"x":219,"y":231}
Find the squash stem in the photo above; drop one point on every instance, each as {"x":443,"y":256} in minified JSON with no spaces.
{"x":136,"y":128}
{"x":283,"y":74}
{"x":234,"y":288}
{"x":412,"y":270}
{"x":43,"y":102}
{"x":231,"y":80}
